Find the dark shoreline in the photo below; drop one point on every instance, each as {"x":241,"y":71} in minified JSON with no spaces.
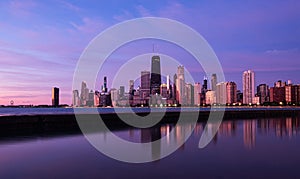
{"x":60,"y":124}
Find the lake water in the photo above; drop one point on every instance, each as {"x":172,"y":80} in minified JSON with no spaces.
{"x":264,"y":148}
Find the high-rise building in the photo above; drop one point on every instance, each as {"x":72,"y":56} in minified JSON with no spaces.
{"x":277,"y":95}
{"x":145,"y":80}
{"x":75,"y":99}
{"x":121,"y":92}
{"x":174,"y":92}
{"x":204,"y":87}
{"x":221,"y":93}
{"x":164,"y":90}
{"x":279,"y":84}
{"x":291,"y":94}
{"x":55,"y":97}
{"x":90,"y":101}
{"x":248,"y":87}
{"x":210,"y":97}
{"x":155,"y":76}
{"x":263,"y":93}
{"x":114,"y":96}
{"x":231,"y":89}
{"x":145,"y":84}
{"x":214,"y":82}
{"x":180,"y":85}
{"x":105,"y":85}
{"x":239,"y":96}
{"x":84,"y":94}
{"x":203,"y":91}
{"x":197,"y":94}
{"x":189,"y":93}
{"x":168,"y":82}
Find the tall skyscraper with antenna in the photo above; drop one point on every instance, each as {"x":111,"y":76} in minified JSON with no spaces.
{"x":155,"y":75}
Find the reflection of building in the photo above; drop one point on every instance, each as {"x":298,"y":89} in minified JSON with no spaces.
{"x":227,"y":128}
{"x":152,"y":135}
{"x":155,"y":76}
{"x":248,"y":87}
{"x":249,"y":133}
{"x":55,"y":96}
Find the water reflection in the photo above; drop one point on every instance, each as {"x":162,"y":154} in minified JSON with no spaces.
{"x":250,"y":130}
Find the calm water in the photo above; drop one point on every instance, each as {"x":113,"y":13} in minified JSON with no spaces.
{"x":242,"y":149}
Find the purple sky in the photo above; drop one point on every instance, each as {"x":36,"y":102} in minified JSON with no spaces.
{"x":41,"y":41}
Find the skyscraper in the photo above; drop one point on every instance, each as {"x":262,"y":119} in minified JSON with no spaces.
{"x":189,"y":94}
{"x":214,"y":82}
{"x":75,"y":98}
{"x":105,"y":85}
{"x":221,"y":93}
{"x":145,"y":84}
{"x":83,"y":94}
{"x":197,"y":94}
{"x":55,"y":97}
{"x":155,"y":75}
{"x":180,"y":85}
{"x":248,"y":87}
{"x":263,"y":93}
{"x":231,"y":90}
{"x":174,"y":93}
{"x":203,"y":91}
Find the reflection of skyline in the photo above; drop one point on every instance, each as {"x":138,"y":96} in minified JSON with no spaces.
{"x":249,"y":127}
{"x":249,"y":131}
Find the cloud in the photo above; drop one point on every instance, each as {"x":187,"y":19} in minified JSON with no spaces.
{"x":22,"y":8}
{"x":126,"y":15}
{"x":143,"y":11}
{"x":71,"y":6}
{"x":89,"y":25}
{"x":278,"y":52}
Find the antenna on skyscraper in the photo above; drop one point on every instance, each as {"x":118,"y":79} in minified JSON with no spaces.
{"x":152,"y":48}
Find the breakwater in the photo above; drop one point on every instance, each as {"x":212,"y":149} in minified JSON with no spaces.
{"x":24,"y":124}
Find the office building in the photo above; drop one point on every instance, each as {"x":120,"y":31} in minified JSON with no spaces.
{"x":231,"y":90}
{"x":197,"y":94}
{"x":221,"y":93}
{"x":55,"y":97}
{"x":248,"y":87}
{"x":180,"y":85}
{"x":155,"y":79}
{"x":214,"y":82}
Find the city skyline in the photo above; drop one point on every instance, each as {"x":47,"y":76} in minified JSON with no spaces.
{"x":39,"y":49}
{"x":150,"y":90}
